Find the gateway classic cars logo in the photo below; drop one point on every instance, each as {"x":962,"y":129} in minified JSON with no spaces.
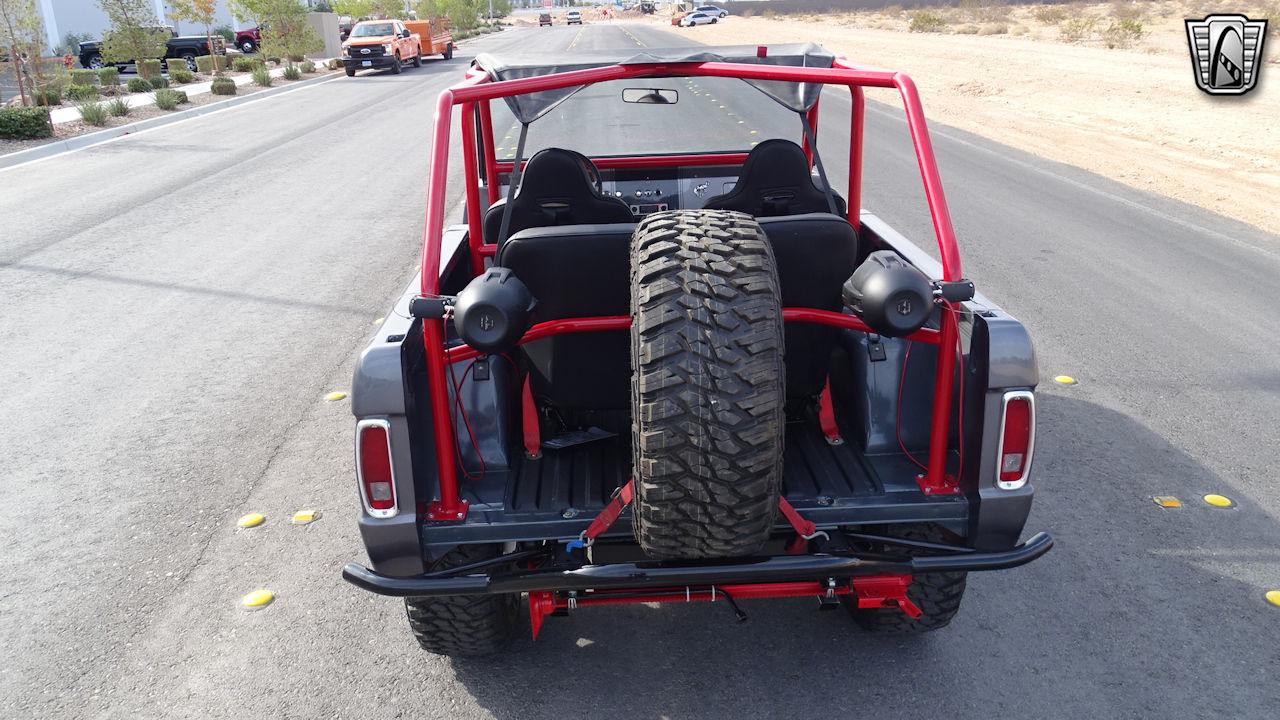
{"x":1226,"y":52}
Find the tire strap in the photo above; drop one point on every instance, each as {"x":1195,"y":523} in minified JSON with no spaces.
{"x":805,"y":529}
{"x":622,"y":497}
{"x":827,"y":416}
{"x":529,"y":422}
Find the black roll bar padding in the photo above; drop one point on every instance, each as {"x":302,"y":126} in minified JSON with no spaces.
{"x":783,"y":568}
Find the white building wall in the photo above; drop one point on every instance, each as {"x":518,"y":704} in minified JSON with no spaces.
{"x":84,"y":17}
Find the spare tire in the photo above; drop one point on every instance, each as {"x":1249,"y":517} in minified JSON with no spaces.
{"x":707,"y":384}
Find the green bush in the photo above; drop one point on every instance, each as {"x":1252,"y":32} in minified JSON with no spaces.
{"x":108,"y":76}
{"x":291,"y":73}
{"x":149,"y":68}
{"x":211,"y":64}
{"x":262,"y":77}
{"x":182,"y":96}
{"x":166,"y":99}
{"x":295,"y":58}
{"x":274,"y":61}
{"x":119,"y":107}
{"x":1050,"y":14}
{"x":223,"y":86}
{"x":335,"y":64}
{"x":159,"y":82}
{"x":82,"y":92}
{"x":172,"y":64}
{"x":51,"y":95}
{"x":1122,"y":33}
{"x":84,"y":77}
{"x":1077,"y":29}
{"x":139,"y":85}
{"x":927,"y":22}
{"x":94,"y":113}
{"x":181,"y":76}
{"x":246,"y":64}
{"x":308,"y":67}
{"x":23,"y":123}
{"x":226,"y":32}
{"x":994,"y":29}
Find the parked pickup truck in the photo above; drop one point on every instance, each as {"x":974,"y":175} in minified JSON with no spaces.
{"x":381,"y":44}
{"x":249,"y":39}
{"x":185,"y":46}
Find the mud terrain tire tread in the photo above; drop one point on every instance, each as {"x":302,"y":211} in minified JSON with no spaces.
{"x":707,"y":384}
{"x":464,"y":625}
{"x":938,"y":595}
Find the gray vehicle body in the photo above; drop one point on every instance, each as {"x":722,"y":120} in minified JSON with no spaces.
{"x":999,"y":357}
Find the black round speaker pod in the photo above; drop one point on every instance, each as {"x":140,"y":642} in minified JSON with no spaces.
{"x":889,"y":294}
{"x":492,"y":312}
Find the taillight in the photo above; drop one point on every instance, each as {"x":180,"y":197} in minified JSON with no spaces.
{"x":373,"y":468}
{"x":1017,"y":439}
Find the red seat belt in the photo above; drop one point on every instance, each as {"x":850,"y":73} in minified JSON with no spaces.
{"x":529,"y":423}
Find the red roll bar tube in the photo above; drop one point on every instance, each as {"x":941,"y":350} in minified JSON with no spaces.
{"x":474,"y":94}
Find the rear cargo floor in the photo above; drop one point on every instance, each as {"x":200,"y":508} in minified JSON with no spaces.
{"x":558,"y":494}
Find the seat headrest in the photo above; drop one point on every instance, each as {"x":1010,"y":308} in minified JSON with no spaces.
{"x":775,"y":180}
{"x":558,"y":187}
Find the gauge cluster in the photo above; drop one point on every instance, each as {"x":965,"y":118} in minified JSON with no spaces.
{"x":650,"y":191}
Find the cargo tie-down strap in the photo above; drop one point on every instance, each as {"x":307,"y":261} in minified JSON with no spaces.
{"x":805,"y":529}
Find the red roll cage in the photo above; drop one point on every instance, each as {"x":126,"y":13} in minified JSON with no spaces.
{"x":474,"y":94}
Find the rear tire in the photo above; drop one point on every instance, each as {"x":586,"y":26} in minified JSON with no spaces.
{"x":464,"y":625}
{"x":448,"y":52}
{"x":417,"y":59}
{"x":351,"y":72}
{"x":938,"y":595}
{"x":397,"y":67}
{"x":707,"y":384}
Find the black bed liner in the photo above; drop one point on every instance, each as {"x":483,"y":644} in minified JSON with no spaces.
{"x":557,"y":495}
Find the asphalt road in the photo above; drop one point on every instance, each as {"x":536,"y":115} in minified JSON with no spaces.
{"x":178,"y":303}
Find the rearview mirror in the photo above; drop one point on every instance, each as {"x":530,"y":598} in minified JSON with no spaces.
{"x":650,"y":96}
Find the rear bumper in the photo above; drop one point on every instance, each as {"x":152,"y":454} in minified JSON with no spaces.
{"x":786,"y":568}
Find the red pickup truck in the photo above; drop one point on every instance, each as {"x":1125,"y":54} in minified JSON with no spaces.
{"x":249,"y":40}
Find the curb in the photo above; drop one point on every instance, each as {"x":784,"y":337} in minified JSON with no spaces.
{"x":81,"y":142}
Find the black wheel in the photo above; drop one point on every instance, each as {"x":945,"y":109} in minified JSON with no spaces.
{"x":417,"y":59}
{"x":715,"y":20}
{"x":448,"y":52}
{"x":95,"y":62}
{"x":248,"y":46}
{"x":707,"y":384}
{"x":395,"y":66}
{"x":351,"y":72}
{"x":938,"y":595}
{"x":464,"y":625}
{"x":190,"y":60}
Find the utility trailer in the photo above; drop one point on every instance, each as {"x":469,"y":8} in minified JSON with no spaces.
{"x":685,"y":375}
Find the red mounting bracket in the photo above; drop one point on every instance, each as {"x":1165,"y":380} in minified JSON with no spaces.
{"x":949,"y":485}
{"x":437,"y":512}
{"x":885,"y":591}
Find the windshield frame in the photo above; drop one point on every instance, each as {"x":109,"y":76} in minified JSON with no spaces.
{"x":391,"y":29}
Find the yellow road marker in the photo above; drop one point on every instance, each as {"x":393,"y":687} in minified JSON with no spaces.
{"x":1167,"y":501}
{"x":1218,"y":501}
{"x":1064,"y":380}
{"x":251,"y":520}
{"x":1273,"y":597}
{"x":335,"y":396}
{"x":257,"y":599}
{"x":379,"y":321}
{"x":305,"y":517}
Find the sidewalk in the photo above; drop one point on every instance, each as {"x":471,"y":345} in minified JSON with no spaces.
{"x":71,"y":113}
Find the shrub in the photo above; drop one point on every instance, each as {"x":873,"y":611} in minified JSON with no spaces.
{"x":1076,"y":29}
{"x":246,"y":64}
{"x":94,"y":113}
{"x":182,"y":96}
{"x":967,"y":30}
{"x":47,"y":96}
{"x":159,"y":82}
{"x":108,"y":76}
{"x":119,"y":107}
{"x":294,"y":57}
{"x":922,"y":21}
{"x":139,"y":85}
{"x":226,"y":32}
{"x":181,"y":76}
{"x":149,"y":68}
{"x":1122,"y":33}
{"x":1050,"y":14}
{"x":274,"y":61}
{"x":996,"y":29}
{"x":82,"y":92}
{"x":984,"y":11}
{"x":223,"y":86}
{"x":335,"y":64}
{"x":308,"y":67}
{"x":262,"y":77}
{"x":291,"y":73}
{"x":204,"y":64}
{"x":23,"y":123}
{"x":893,"y":11}
{"x":166,"y":99}
{"x":84,"y":77}
{"x":172,"y":64}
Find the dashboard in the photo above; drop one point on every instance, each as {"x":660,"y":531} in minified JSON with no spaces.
{"x":649,"y":191}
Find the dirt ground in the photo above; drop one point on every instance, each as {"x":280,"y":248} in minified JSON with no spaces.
{"x":1043,"y":79}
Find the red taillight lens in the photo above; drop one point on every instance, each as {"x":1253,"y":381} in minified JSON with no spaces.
{"x":1017,"y":439}
{"x":373,"y":457}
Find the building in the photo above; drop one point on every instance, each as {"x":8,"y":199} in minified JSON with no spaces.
{"x":83,"y":17}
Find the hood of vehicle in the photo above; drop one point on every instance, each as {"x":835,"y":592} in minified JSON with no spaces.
{"x":370,"y":41}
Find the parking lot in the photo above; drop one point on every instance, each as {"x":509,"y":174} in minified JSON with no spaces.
{"x":180,"y":302}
